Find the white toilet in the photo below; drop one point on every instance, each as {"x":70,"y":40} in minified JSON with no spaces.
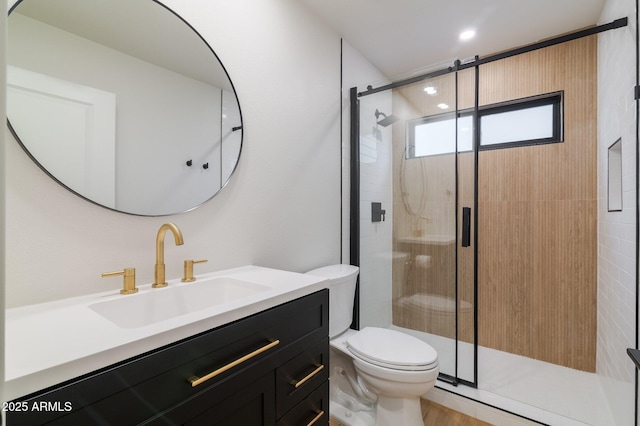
{"x":377,"y":375}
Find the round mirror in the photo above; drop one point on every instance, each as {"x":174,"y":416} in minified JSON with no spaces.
{"x":122,"y":102}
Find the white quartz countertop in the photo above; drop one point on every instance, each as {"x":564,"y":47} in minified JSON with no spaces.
{"x":52,"y":342}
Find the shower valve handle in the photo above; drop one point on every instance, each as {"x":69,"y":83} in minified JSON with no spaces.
{"x":377,"y":213}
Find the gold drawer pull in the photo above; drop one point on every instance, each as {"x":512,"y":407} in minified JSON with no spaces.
{"x":316,"y":418}
{"x":195,"y":380}
{"x":298,"y":383}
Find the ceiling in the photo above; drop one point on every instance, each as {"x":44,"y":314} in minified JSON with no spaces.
{"x":407,"y":37}
{"x":400,"y":37}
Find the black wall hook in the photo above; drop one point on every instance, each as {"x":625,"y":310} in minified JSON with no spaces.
{"x":189,"y":163}
{"x":205,"y":166}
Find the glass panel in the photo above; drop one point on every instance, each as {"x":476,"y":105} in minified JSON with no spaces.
{"x":424,"y":224}
{"x":466,"y":254}
{"x":376,"y":186}
{"x":408,"y":260}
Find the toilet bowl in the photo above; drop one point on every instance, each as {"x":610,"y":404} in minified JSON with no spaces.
{"x":377,"y":374}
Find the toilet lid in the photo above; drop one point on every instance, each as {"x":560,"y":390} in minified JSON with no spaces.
{"x":392,"y":349}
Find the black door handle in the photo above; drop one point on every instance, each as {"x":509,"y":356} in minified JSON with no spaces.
{"x":466,"y":226}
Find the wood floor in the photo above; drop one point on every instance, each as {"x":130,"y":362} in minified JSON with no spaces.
{"x":437,"y":415}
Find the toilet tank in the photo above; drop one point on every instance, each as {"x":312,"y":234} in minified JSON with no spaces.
{"x":342,"y":289}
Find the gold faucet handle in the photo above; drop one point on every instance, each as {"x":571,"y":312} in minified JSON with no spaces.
{"x":129,"y":275}
{"x":188,"y":270}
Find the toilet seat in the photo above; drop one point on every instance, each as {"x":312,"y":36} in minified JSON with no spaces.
{"x":392,"y":349}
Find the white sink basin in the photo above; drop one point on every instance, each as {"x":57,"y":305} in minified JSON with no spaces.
{"x":154,"y":305}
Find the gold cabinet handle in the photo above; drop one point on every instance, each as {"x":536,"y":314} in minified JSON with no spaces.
{"x":316,"y":418}
{"x":195,"y":380}
{"x":298,"y":383}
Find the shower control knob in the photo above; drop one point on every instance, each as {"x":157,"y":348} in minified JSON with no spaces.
{"x":377,"y":213}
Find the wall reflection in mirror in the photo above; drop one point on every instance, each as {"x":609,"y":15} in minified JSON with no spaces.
{"x":122,"y":102}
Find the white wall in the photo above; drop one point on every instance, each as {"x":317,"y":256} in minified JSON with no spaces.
{"x":281,"y":208}
{"x":616,"y":230}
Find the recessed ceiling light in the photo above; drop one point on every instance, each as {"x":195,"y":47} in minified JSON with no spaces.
{"x":430,"y":90}
{"x":443,"y":106}
{"x":467,"y":35}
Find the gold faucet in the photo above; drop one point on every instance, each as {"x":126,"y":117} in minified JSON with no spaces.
{"x":129,"y":275}
{"x":188,"y":270}
{"x":419,"y":232}
{"x":160,"y":280}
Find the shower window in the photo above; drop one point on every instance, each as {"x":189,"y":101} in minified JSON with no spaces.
{"x":521,"y":122}
{"x":436,"y":135}
{"x":528,"y":121}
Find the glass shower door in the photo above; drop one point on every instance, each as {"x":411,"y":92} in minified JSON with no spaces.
{"x":412,"y":144}
{"x":466,"y":254}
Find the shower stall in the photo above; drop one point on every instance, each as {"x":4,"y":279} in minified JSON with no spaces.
{"x":474,"y":223}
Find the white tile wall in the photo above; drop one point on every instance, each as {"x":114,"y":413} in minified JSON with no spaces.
{"x":616,"y":230}
{"x":357,"y":71}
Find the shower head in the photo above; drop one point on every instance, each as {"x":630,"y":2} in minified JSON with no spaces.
{"x":386,"y":120}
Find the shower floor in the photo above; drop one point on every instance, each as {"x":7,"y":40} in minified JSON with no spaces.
{"x":537,"y":390}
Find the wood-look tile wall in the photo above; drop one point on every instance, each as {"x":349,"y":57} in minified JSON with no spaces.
{"x":537,"y":234}
{"x":537,"y":211}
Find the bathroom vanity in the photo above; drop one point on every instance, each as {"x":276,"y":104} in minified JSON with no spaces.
{"x":266,"y":368}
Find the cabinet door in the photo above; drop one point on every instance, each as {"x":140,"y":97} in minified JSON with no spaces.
{"x":254,"y":405}
{"x":299,"y":376}
{"x":314,"y":410}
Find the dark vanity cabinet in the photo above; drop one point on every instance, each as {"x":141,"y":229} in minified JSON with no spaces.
{"x":270,"y":368}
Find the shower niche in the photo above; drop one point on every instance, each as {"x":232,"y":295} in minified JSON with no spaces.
{"x":614,"y":181}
